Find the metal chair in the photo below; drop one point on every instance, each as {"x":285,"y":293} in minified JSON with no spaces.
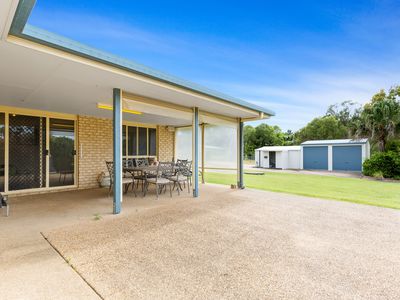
{"x":181,"y":161}
{"x":139,"y":175}
{"x":180,"y":176}
{"x":187,"y":172}
{"x":160,"y":180}
{"x":126,"y":181}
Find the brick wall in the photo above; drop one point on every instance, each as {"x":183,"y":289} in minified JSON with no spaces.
{"x":95,"y":147}
{"x":166,"y":143}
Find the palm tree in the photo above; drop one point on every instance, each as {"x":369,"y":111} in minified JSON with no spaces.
{"x":380,"y":118}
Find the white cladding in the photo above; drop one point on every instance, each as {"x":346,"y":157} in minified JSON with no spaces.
{"x":286,"y":157}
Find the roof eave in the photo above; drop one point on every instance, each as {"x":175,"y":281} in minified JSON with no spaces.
{"x":21,"y":29}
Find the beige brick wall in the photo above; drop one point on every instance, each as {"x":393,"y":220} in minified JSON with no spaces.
{"x":95,"y":147}
{"x":166,"y":143}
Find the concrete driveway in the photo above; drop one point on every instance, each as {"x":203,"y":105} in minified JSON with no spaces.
{"x":233,"y":244}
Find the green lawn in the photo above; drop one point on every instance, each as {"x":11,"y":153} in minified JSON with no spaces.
{"x":345,"y":189}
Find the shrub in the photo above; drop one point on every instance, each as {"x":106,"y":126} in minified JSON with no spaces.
{"x":378,"y":175}
{"x":393,"y":145}
{"x":385,"y":163}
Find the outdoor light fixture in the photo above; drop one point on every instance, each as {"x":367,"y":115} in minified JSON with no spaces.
{"x":109,"y":107}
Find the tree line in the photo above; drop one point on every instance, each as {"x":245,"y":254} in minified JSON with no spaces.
{"x":378,"y":120}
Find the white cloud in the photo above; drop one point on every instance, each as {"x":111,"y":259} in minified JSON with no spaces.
{"x":298,"y":83}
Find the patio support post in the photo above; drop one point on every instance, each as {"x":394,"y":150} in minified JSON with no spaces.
{"x":117,"y":150}
{"x":202,"y":152}
{"x":195,"y":151}
{"x":240,"y":154}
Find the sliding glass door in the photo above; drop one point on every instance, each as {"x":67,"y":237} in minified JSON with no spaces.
{"x":62,"y":152}
{"x":27,"y":152}
{"x":2,"y":151}
{"x":36,"y":152}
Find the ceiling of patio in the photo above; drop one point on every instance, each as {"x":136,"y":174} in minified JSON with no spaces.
{"x":34,"y":77}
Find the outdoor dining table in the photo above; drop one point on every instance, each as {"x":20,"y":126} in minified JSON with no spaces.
{"x":143,"y":169}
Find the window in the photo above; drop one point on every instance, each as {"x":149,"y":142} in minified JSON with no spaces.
{"x":139,"y":141}
{"x":132,"y":143}
{"x":152,"y":142}
{"x":124,"y":140}
{"x":142,"y":141}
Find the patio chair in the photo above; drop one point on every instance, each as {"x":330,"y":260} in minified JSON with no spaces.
{"x":181,"y":161}
{"x":126,"y":181}
{"x":180,"y":176}
{"x":187,"y":172}
{"x":151,"y":161}
{"x":139,"y":175}
{"x":128,"y":162}
{"x":159,"y":179}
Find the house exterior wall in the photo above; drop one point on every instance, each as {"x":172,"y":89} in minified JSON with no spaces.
{"x":166,"y":143}
{"x":94,"y":148}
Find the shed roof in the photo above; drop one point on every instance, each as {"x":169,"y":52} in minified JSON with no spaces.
{"x":279,"y":148}
{"x":335,"y":142}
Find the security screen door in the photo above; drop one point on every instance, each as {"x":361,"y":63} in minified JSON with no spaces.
{"x":27,"y":152}
{"x":30,"y":164}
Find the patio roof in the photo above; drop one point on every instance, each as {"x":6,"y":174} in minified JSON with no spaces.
{"x":41,"y":70}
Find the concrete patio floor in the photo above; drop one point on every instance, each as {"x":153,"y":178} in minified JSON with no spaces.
{"x":226,"y":244}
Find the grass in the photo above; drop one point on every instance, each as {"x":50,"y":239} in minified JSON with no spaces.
{"x":249,"y":162}
{"x":385,"y":194}
{"x":97,"y":217}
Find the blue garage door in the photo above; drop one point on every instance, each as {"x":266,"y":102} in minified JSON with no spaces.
{"x":315,"y":158}
{"x":347,"y":158}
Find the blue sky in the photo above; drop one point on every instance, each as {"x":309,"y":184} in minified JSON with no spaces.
{"x":294,"y":57}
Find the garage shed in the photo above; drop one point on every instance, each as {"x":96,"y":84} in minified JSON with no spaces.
{"x":335,"y":155}
{"x":278,"y":157}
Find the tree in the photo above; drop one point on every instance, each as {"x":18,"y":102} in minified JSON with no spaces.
{"x":288,"y":138}
{"x":266,"y":135}
{"x":262,"y":135}
{"x":380,"y":118}
{"x":348,"y":113}
{"x":249,"y":137}
{"x":324,"y":128}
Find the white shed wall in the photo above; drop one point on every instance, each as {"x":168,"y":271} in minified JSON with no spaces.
{"x":264,"y":159}
{"x":280,"y":161}
{"x":257,"y":158}
{"x":294,"y":157}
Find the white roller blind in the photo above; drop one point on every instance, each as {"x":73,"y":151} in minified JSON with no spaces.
{"x":220,"y":146}
{"x":183,"y":143}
